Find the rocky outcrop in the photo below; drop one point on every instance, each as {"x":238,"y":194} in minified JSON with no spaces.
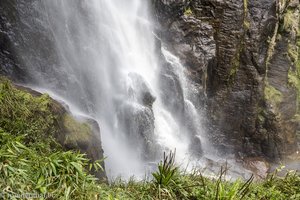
{"x":77,"y":133}
{"x":136,"y":118}
{"x":83,"y":134}
{"x":243,"y":57}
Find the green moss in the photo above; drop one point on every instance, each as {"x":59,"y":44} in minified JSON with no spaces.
{"x":287,"y":21}
{"x":293,"y":52}
{"x":296,"y":118}
{"x":235,"y":66}
{"x":280,"y":10}
{"x":294,"y":77}
{"x":245,"y":2}
{"x":294,"y":81}
{"x":188,"y":12}
{"x":235,"y":63}
{"x":290,"y":21}
{"x":291,"y":25}
{"x":77,"y":132}
{"x":271,"y":47}
{"x":261,"y":118}
{"x":272,"y":95}
{"x":23,"y":114}
{"x":246,"y":24}
{"x":246,"y":21}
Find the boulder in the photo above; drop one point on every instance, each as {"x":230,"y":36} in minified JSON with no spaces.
{"x":137,"y":122}
{"x":140,"y":91}
{"x":196,"y":147}
{"x":77,"y":133}
{"x":259,"y":166}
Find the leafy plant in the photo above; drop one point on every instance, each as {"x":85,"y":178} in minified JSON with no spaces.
{"x":167,"y":171}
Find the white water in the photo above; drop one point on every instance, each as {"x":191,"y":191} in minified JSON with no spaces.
{"x":104,"y":60}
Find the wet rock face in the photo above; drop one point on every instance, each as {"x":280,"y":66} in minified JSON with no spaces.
{"x":237,"y":51}
{"x":187,"y":36}
{"x":139,"y":91}
{"x":258,"y":166}
{"x":194,"y":46}
{"x":196,"y":147}
{"x":138,"y":123}
{"x":9,"y":63}
{"x":15,"y":34}
{"x":171,"y":87}
{"x":135,"y":116}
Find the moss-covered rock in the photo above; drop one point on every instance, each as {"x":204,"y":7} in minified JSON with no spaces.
{"x":79,"y":134}
{"x":83,"y":134}
{"x":272,"y":95}
{"x":37,"y":117}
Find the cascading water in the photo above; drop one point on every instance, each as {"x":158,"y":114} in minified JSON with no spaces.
{"x":104,"y":61}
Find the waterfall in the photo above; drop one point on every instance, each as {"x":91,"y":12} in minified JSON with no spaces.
{"x":101,"y":57}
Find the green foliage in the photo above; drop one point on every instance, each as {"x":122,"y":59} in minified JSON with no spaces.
{"x":290,"y":21}
{"x":166,"y":179}
{"x":23,"y":114}
{"x":28,"y":170}
{"x":195,"y":186}
{"x":77,"y":132}
{"x":167,"y":171}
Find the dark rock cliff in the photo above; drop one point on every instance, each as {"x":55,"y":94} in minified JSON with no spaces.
{"x":243,"y":55}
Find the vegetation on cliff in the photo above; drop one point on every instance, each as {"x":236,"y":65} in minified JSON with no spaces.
{"x":33,"y":163}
